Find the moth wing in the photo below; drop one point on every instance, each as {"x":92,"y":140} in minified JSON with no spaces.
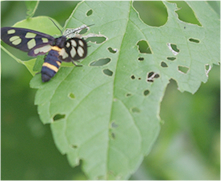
{"x":74,"y":49}
{"x":27,"y":40}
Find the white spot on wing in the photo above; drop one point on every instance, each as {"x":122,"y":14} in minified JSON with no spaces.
{"x":63,"y":53}
{"x":44,"y":40}
{"x":81,"y":43}
{"x":43,"y":49}
{"x":68,"y":44}
{"x":73,"y":52}
{"x":73,"y":43}
{"x":31,"y":43}
{"x":30,"y":35}
{"x":15,"y":40}
{"x":11,"y":31}
{"x":80,"y":51}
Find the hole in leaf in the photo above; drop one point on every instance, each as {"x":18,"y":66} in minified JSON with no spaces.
{"x":128,"y":95}
{"x":132,"y":77}
{"x":97,"y":40}
{"x":207,"y":69}
{"x":139,"y":78}
{"x":171,"y":58}
{"x":114,"y":125}
{"x":89,"y":12}
{"x":135,"y":110}
{"x":100,"y":62}
{"x":173,"y":48}
{"x":71,"y":95}
{"x":74,"y":146}
{"x":153,"y":13}
{"x":183,"y":10}
{"x":164,"y":64}
{"x":108,"y":72}
{"x":58,"y":117}
{"x":143,"y":47}
{"x":141,"y":58}
{"x":146,"y":92}
{"x":156,"y":76}
{"x":112,"y":50}
{"x":194,"y":40}
{"x":113,"y":135}
{"x":83,"y":31}
{"x":151,"y":76}
{"x":183,"y":69}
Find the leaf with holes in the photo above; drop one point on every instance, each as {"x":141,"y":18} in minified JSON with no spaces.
{"x":106,"y":113}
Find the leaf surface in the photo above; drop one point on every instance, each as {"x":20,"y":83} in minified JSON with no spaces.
{"x":108,"y":115}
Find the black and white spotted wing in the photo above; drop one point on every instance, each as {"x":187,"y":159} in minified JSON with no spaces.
{"x":74,"y":49}
{"x":37,"y":43}
{"x":33,"y":42}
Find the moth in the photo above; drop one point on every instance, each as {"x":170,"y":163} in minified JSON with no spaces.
{"x":56,"y":49}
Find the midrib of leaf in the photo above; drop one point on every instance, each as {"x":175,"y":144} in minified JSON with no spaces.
{"x":114,"y":90}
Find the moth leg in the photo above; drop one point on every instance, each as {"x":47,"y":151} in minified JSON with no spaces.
{"x":74,"y":31}
{"x":69,"y":32}
{"x":79,"y":65}
{"x":76,"y":64}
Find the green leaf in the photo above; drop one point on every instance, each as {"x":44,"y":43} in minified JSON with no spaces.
{"x":108,"y":115}
{"x":40,"y":23}
{"x":31,"y":8}
{"x":110,"y":121}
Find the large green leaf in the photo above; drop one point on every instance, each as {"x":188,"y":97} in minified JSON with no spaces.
{"x":108,"y":115}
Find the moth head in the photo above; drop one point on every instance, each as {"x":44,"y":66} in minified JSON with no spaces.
{"x":60,"y":42}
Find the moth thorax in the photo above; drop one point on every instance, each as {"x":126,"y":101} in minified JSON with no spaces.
{"x":60,"y":41}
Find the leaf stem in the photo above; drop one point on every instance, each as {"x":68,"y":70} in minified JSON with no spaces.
{"x":11,"y":55}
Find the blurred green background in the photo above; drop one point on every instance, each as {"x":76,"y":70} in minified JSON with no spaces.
{"x":188,"y":146}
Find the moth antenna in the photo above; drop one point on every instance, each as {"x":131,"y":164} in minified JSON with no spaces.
{"x":90,"y":25}
{"x":79,"y":29}
{"x":56,"y":25}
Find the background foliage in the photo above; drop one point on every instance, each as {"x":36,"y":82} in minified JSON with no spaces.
{"x":188,"y":145}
